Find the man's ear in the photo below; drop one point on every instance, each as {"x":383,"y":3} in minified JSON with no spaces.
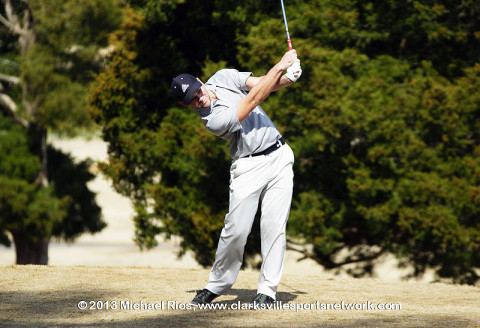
{"x":183,"y":104}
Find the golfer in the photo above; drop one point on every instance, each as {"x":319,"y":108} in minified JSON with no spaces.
{"x":261,"y":171}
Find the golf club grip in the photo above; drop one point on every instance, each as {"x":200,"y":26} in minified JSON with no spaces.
{"x":289,"y":44}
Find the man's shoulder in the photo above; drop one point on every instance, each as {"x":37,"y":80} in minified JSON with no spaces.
{"x":225,"y":73}
{"x":229,"y":78}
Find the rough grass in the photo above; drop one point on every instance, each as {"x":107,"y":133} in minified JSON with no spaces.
{"x":47,"y":296}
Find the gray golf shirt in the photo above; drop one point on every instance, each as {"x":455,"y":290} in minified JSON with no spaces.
{"x":253,"y":134}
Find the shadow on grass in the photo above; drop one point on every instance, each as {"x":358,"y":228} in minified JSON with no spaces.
{"x":246,"y":295}
{"x":36,"y":308}
{"x":42,"y":304}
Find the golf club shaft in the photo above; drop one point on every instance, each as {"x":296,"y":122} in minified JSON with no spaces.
{"x":286,"y":27}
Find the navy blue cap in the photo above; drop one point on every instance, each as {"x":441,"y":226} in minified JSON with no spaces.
{"x":184,"y":86}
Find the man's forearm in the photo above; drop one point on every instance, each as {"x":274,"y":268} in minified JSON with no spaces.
{"x":260,"y":91}
{"x":282,"y":83}
{"x":267,"y":84}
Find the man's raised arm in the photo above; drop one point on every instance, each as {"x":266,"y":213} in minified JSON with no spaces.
{"x":263,"y":86}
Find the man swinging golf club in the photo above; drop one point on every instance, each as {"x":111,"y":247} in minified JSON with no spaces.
{"x":261,"y":169}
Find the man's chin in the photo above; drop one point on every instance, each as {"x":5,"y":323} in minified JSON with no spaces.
{"x":199,"y":107}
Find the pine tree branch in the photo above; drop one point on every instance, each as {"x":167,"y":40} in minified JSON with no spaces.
{"x":9,"y":11}
{"x":26,"y":20}
{"x":361,"y":258}
{"x":10,"y":109}
{"x":11,"y":21}
{"x":7,"y":23}
{"x":328,"y":263}
{"x":9,"y":78}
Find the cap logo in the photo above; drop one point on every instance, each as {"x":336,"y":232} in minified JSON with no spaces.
{"x":185,"y":87}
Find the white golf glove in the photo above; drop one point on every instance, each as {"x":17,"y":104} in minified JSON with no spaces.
{"x":294,"y":72}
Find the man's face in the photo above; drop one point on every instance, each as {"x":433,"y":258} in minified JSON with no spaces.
{"x":200,"y":98}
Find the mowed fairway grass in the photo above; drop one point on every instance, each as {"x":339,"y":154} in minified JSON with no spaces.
{"x":48,"y":296}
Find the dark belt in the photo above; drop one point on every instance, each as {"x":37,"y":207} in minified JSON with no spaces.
{"x":280,"y":142}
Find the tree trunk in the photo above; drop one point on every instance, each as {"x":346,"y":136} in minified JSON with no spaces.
{"x":30,"y":252}
{"x":38,"y":146}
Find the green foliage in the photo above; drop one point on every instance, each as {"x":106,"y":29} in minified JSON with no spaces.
{"x":65,"y":24}
{"x":58,"y":68}
{"x":70,"y":181}
{"x":65,"y":209}
{"x":16,"y":159}
{"x":24,"y":205}
{"x":443,"y":32}
{"x":384,"y":125}
{"x":61,"y":45}
{"x":60,"y":101}
{"x":387,"y":149}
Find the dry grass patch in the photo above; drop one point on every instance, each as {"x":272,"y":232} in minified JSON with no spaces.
{"x":46,"y":296}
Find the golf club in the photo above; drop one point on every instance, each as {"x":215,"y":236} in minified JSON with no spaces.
{"x":286,"y":27}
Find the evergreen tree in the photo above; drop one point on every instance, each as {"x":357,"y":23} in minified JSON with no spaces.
{"x":49,"y":51}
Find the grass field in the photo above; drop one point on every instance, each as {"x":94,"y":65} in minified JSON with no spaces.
{"x":49,"y":296}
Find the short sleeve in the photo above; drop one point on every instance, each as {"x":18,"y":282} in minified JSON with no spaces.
{"x":223,"y":120}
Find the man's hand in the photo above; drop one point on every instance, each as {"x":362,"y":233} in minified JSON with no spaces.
{"x":287,"y":60}
{"x":294,"y":71}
